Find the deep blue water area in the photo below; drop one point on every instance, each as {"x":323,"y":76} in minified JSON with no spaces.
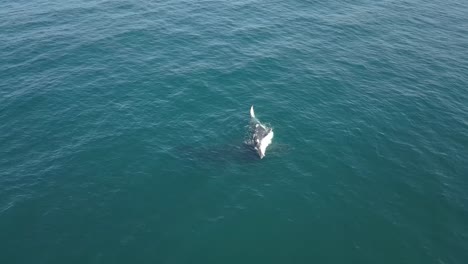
{"x":123,"y":127}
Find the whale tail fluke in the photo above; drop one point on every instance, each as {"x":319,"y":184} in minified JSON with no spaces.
{"x":252,"y":114}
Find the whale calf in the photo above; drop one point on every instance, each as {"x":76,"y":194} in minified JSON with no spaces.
{"x":261,"y":134}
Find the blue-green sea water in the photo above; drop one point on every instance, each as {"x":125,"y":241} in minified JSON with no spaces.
{"x":122,"y":130}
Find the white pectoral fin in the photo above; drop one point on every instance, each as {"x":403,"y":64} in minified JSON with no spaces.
{"x":252,"y":114}
{"x":265,"y":142}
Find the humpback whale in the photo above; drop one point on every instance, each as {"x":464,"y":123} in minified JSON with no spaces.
{"x":261,"y":134}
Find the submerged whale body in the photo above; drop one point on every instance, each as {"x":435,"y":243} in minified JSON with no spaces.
{"x":261,"y":134}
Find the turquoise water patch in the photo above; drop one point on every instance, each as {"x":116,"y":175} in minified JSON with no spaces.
{"x":123,"y":128}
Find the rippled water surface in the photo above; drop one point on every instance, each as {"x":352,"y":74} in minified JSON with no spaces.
{"x":122,"y":129}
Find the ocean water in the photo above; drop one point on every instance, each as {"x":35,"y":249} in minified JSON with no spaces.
{"x":122,"y":129}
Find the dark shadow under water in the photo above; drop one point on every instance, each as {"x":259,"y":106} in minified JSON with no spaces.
{"x":227,"y":153}
{"x":240,"y":150}
{"x":242,"y":153}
